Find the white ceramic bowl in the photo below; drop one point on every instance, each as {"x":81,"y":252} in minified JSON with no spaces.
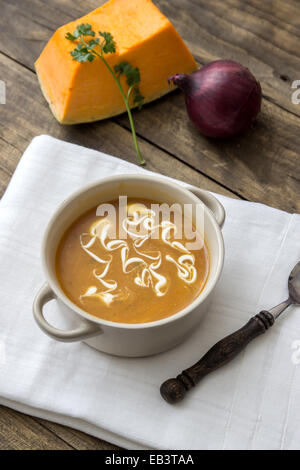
{"x":124,"y":339}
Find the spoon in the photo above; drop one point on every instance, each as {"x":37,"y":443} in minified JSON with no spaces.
{"x":174,"y":390}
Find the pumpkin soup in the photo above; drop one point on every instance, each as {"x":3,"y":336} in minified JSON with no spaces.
{"x":133,"y":269}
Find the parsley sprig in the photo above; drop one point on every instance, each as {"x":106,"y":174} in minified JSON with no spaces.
{"x":88,"y":49}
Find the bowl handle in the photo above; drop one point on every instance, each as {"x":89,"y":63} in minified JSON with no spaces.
{"x":211,"y":202}
{"x":85,"y":330}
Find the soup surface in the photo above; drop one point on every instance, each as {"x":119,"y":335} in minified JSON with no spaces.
{"x":139,"y":272}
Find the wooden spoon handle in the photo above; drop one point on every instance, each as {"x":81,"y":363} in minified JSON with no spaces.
{"x":174,"y":390}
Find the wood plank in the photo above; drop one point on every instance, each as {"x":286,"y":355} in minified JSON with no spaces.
{"x":24,"y":99}
{"x":21,"y":432}
{"x":8,"y":160}
{"x":254,"y":166}
{"x":78,"y":440}
{"x":286,"y":13}
{"x":27,"y":26}
{"x":224,"y":29}
{"x":215,"y":29}
{"x":261,"y":165}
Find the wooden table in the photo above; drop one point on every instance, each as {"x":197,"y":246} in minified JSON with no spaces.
{"x":263,"y":165}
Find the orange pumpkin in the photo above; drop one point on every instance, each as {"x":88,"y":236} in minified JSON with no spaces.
{"x":84,"y":92}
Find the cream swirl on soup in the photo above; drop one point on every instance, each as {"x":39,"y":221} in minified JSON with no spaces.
{"x":145,"y":264}
{"x":150,"y":270}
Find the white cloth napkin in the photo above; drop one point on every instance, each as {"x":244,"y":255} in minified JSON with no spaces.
{"x":252,"y":403}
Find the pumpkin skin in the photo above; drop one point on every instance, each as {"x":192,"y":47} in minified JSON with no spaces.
{"x":85,"y":92}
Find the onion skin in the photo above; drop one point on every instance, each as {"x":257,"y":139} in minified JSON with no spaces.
{"x":222,"y":99}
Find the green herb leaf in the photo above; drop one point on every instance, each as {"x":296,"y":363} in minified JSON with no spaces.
{"x":93,"y":43}
{"x":70,"y":37}
{"x":138,"y":97}
{"x":108,"y":46}
{"x":83,"y":30}
{"x":82,"y":54}
{"x":85,"y":52}
{"x":132,"y":73}
{"x":133,"y":78}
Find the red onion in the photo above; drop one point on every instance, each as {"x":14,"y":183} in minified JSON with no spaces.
{"x":222,"y":98}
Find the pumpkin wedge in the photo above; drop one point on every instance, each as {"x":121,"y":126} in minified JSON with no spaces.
{"x":84,"y":92}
